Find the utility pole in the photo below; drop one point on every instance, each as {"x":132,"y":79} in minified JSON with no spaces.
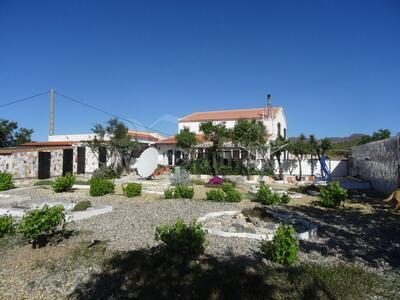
{"x":51,"y":127}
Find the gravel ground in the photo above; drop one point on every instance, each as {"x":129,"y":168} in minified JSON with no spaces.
{"x":368,"y":238}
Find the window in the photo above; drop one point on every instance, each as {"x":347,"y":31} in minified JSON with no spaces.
{"x":279,"y":129}
{"x":284,"y":133}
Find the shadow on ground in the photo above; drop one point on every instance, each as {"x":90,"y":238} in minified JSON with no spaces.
{"x":146,"y":274}
{"x":373,"y":235}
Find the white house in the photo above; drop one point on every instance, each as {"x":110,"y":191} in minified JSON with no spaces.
{"x":272,"y":117}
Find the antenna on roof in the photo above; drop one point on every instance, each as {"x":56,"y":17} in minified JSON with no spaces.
{"x":269,"y":106}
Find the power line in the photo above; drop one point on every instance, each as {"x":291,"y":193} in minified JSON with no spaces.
{"x":23,"y":99}
{"x":107,"y":113}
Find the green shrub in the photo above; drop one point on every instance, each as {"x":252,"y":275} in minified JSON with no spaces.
{"x":43,"y":182}
{"x":169,"y":193}
{"x":100,"y":187}
{"x":332,"y":195}
{"x":6,"y":181}
{"x":132,"y":190}
{"x":183,"y":191}
{"x":227,"y":186}
{"x":285,"y":198}
{"x":215,"y":195}
{"x":6,"y":226}
{"x":82,"y":205}
{"x":64,"y":183}
{"x":267,"y":197}
{"x":42,"y":222}
{"x":283,"y":248}
{"x":181,"y":239}
{"x":106,"y":173}
{"x":232,"y":195}
{"x":179,"y":191}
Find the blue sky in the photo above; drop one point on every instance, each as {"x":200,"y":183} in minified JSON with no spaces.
{"x":333,"y":65}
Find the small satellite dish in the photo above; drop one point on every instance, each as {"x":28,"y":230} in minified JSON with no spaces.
{"x":147,"y":162}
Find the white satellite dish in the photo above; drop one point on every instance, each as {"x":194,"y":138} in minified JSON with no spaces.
{"x":147,"y":162}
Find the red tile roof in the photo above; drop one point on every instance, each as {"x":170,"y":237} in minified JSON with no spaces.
{"x":171,"y":140}
{"x":142,"y":135}
{"x":225,"y":115}
{"x":47,"y":144}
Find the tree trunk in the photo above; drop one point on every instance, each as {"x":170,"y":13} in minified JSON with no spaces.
{"x":248,"y":165}
{"x":300,"y":168}
{"x":214,"y":163}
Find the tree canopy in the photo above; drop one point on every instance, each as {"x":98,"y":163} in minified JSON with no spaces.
{"x":378,"y":135}
{"x":120,"y":143}
{"x":11,"y":135}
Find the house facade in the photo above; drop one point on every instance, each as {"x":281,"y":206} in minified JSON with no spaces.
{"x":273,"y":119}
{"x":62,"y":154}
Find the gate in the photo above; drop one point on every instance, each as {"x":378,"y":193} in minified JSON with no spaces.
{"x":44,"y":165}
{"x":68,"y":156}
{"x":81,"y":160}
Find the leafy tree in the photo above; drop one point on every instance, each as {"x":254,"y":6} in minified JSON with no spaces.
{"x":319,"y":148}
{"x":299,"y":148}
{"x":186,"y":140}
{"x":217,"y":134}
{"x":278,"y":147}
{"x":249,"y":134}
{"x":115,"y":138}
{"x":381,"y":134}
{"x":11,"y":135}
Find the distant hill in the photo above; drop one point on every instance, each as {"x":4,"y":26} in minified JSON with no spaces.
{"x":342,"y":145}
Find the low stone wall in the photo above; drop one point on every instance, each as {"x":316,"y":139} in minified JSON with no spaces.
{"x":377,"y":162}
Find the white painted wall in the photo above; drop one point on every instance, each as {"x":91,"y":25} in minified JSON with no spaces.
{"x":270,"y":124}
{"x":338,"y":168}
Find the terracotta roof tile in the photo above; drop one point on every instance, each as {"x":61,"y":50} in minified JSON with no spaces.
{"x":225,"y":115}
{"x":48,"y":144}
{"x":142,"y":135}
{"x":171,"y":140}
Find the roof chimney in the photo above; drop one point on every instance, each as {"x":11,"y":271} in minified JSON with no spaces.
{"x":269,"y":106}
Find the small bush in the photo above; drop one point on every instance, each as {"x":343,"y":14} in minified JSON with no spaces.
{"x":132,"y":190}
{"x":100,"y":187}
{"x":332,"y":195}
{"x":43,"y":182}
{"x":267,"y":197}
{"x":283,"y":248}
{"x":42,"y":222}
{"x":184,"y":191}
{"x":181,"y":239}
{"x":106,"y":173}
{"x":82,"y":205}
{"x":64,"y":183}
{"x":215,"y":195}
{"x":285,"y":198}
{"x":227,"y":186}
{"x":6,"y":181}
{"x":232,"y":195}
{"x":6,"y":226}
{"x":169,"y":193}
{"x":179,"y":191}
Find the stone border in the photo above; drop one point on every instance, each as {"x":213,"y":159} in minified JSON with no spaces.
{"x":304,"y":236}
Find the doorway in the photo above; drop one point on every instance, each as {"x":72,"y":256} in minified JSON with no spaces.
{"x":81,"y":160}
{"x":44,"y":165}
{"x":68,"y":156}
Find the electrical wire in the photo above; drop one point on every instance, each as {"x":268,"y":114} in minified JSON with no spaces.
{"x":23,"y":99}
{"x":107,"y":113}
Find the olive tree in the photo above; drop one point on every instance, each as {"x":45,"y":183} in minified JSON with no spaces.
{"x":217,"y":134}
{"x":250,"y":135}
